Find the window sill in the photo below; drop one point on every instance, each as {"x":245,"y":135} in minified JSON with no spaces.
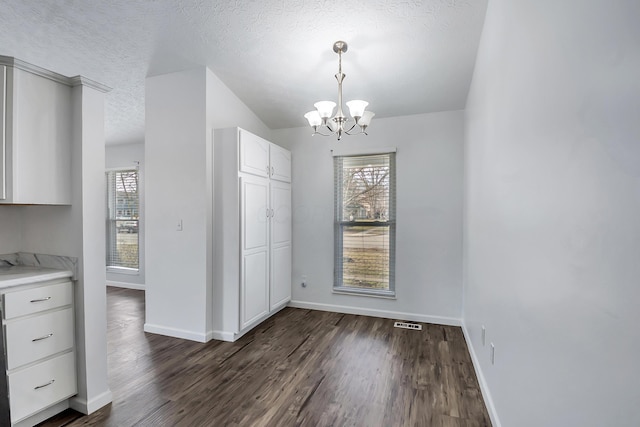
{"x":365,"y":293}
{"x":124,"y":270}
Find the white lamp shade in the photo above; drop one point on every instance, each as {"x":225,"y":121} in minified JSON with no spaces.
{"x":356,"y":107}
{"x":313,"y":117}
{"x":366,"y":118}
{"x":325,"y":108}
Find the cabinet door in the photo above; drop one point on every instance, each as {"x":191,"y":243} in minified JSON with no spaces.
{"x":280,"y":291}
{"x":254,"y":235}
{"x":281,"y":209}
{"x":254,"y":213}
{"x":254,"y":292}
{"x":280,"y":160}
{"x":254,"y":154}
{"x":41,"y":141}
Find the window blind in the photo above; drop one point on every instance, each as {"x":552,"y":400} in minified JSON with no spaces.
{"x":365,"y":223}
{"x":123,"y":219}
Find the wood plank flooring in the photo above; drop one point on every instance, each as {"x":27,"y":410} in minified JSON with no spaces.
{"x":299,"y":368}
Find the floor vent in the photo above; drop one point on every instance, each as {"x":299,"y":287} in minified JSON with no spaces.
{"x":405,"y":325}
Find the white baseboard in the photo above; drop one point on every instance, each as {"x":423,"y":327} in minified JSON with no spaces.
{"x":223,"y":336}
{"x":438,"y":320}
{"x":484,"y":388}
{"x":235,"y":336}
{"x":89,"y":407}
{"x":176,"y":333}
{"x":125,"y":285}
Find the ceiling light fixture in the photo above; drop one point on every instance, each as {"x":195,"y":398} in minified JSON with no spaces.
{"x":339,"y":124}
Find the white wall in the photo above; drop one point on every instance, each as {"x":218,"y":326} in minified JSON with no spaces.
{"x":182,"y":109}
{"x":552,"y":206}
{"x":175,"y":156}
{"x":429,"y":164}
{"x":10,"y":229}
{"x":129,"y":156}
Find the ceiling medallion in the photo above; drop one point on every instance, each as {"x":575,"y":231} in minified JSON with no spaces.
{"x":339,"y":124}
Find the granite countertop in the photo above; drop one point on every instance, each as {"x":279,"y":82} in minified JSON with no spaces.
{"x":24,"y":274}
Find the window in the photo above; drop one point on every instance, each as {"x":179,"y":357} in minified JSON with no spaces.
{"x":122,"y":219}
{"x":365,"y":224}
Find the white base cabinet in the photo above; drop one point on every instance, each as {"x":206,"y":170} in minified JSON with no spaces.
{"x":38,"y":330}
{"x":252,"y":232}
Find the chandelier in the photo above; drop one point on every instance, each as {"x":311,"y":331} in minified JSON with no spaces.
{"x":320,"y":118}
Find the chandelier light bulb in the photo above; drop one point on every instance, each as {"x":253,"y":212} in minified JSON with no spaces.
{"x":356,"y":107}
{"x":325,"y":108}
{"x":314,"y":118}
{"x":366,"y":118}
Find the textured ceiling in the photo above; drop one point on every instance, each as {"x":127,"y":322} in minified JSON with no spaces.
{"x":405,"y":56}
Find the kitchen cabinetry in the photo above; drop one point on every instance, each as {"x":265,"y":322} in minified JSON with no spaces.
{"x":40,"y":366}
{"x":35,"y":135}
{"x":252,"y":199}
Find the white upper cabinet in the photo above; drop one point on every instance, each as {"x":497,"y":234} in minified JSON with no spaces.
{"x":35,"y":141}
{"x":260,"y":157}
{"x":280,"y":161}
{"x":254,"y":154}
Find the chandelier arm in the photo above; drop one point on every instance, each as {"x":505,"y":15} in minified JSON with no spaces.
{"x":351,"y":128}
{"x":322,"y":134}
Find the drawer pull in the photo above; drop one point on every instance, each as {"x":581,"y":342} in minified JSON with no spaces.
{"x":41,"y":299}
{"x":44,"y":385}
{"x":42,"y":338}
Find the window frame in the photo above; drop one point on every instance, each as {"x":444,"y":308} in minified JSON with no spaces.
{"x":339,"y":224}
{"x":111,"y":230}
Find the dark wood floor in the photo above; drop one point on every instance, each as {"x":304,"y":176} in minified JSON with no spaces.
{"x":300,"y":368}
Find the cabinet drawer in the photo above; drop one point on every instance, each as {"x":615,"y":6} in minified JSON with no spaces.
{"x":28,"y":301}
{"x":36,"y":337}
{"x":42,"y":385}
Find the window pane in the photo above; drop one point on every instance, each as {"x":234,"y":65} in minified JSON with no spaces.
{"x":365,"y":261}
{"x":365,"y":188}
{"x":122,"y":214}
{"x":126,"y":250}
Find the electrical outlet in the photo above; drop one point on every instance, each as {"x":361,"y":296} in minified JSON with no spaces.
{"x":493,"y":354}
{"x":484,"y":335}
{"x":304,"y":282}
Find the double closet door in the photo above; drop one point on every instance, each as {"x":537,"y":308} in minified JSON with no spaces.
{"x":265,"y":229}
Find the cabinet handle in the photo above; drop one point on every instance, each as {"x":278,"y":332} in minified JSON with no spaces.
{"x":267,"y":170}
{"x":44,"y":385}
{"x":267,"y":212}
{"x":41,"y":299}
{"x":42,"y":338}
{"x":273,"y":171}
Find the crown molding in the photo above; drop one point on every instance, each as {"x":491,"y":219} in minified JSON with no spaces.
{"x":58,"y":78}
{"x":84,"y":81}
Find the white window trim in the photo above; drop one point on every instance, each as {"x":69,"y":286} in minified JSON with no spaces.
{"x":345,"y":152}
{"x":346,"y":290}
{"x":127,"y":270}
